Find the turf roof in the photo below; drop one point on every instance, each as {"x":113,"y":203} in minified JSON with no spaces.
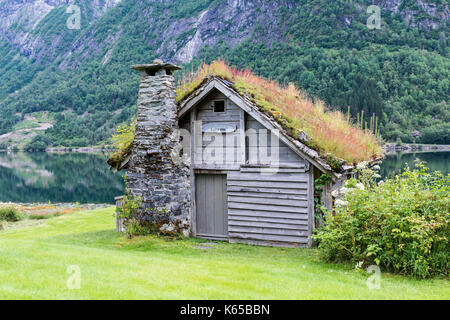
{"x":332,"y":133}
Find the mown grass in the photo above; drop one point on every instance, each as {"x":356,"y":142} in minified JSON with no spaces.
{"x":331,"y":133}
{"x":34,"y":262}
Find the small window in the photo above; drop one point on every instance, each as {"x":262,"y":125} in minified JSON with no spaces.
{"x":219,"y":106}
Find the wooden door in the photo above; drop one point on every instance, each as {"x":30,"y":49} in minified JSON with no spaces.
{"x":211,"y":205}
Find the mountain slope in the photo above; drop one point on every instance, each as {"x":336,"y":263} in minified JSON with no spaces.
{"x":82,"y":77}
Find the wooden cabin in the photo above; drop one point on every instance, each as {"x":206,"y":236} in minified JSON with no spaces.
{"x":260,"y":188}
{"x":248,"y":181}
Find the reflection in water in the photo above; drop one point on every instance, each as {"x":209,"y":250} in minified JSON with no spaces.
{"x":395,"y":162}
{"x":57,"y":177}
{"x":86,"y":178}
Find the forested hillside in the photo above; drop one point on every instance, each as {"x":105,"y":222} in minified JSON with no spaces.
{"x":81,"y":78}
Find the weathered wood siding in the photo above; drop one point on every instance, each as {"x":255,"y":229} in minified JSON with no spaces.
{"x":270,"y":209}
{"x":212,"y":219}
{"x":207,"y":152}
{"x":119,"y":222}
{"x":185,"y":134}
{"x":262,"y":147}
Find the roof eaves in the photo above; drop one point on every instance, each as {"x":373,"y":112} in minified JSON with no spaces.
{"x":198,"y":90}
{"x":299,"y":144}
{"x":303,"y":148}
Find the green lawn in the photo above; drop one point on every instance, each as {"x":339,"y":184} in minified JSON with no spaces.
{"x":34,"y":261}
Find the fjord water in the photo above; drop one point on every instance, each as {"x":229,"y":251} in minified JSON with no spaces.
{"x":396,"y":162}
{"x":86,"y":178}
{"x":58,"y":177}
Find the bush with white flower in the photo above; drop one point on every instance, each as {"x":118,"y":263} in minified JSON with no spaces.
{"x":401,"y":224}
{"x":367,"y":177}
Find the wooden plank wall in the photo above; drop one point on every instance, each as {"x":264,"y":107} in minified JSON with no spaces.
{"x":119,"y":222}
{"x":231,"y":154}
{"x":269,"y":209}
{"x":259,"y":146}
{"x":211,"y":205}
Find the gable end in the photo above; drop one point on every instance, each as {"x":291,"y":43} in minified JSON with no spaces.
{"x":253,"y":111}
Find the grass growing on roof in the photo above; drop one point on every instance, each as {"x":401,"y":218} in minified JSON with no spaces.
{"x":122,"y":142}
{"x":330,"y":131}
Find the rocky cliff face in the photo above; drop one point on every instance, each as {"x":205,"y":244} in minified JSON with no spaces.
{"x":178,"y":39}
{"x":232,"y":22}
{"x":422,"y":14}
{"x":19,"y":19}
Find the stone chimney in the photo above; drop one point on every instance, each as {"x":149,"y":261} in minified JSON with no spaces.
{"x":161,"y":182}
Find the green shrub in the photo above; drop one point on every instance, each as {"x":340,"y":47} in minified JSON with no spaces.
{"x":9,"y":214}
{"x":129,"y":212}
{"x":38,"y":217}
{"x":135,"y":228}
{"x":39,"y":143}
{"x":401,"y":224}
{"x":130,"y":207}
{"x":44,"y":216}
{"x":140,"y":222}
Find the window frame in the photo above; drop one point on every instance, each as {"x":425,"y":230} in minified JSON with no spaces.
{"x":224,"y":106}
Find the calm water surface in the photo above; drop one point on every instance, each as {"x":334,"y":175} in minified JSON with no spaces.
{"x":86,"y":178}
{"x":395,"y":162}
{"x":58,"y":177}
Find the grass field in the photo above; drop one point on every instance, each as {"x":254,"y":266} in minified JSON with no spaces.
{"x":34,"y":262}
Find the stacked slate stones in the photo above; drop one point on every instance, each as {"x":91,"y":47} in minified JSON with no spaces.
{"x":154,"y":175}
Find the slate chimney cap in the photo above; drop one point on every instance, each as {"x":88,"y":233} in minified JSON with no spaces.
{"x":157,"y":64}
